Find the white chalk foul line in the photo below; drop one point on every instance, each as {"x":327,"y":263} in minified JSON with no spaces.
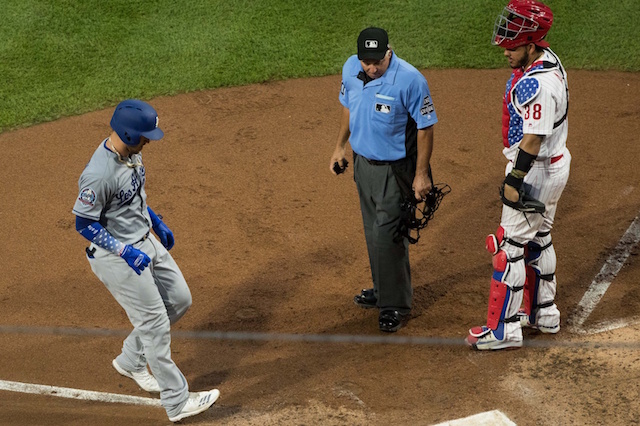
{"x":603,"y":280}
{"x":603,"y":326}
{"x":76,"y":393}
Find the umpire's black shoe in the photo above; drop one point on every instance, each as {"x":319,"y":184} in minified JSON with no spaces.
{"x":391,"y":320}
{"x":366,"y":299}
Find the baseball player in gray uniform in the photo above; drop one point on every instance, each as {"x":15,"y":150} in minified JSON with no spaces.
{"x":112,"y":213}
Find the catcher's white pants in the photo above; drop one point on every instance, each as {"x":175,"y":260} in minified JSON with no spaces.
{"x":545,"y":182}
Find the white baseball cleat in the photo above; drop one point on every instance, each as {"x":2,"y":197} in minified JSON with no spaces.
{"x":143,"y":378}
{"x":196,"y":404}
{"x":524,"y":322}
{"x":482,"y":338}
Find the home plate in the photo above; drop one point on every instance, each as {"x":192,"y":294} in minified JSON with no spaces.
{"x":488,"y":418}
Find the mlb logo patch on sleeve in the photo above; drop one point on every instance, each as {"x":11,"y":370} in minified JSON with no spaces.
{"x":87,"y":197}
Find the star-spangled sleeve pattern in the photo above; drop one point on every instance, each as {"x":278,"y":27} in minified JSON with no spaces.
{"x":515,"y":126}
{"x":105,"y":240}
{"x":526,"y":90}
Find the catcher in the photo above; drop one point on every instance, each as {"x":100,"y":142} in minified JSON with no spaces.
{"x":534,"y":136}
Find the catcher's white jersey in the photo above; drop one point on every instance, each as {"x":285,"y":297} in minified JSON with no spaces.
{"x":537,"y":102}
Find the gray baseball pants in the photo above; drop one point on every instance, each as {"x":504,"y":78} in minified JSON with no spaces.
{"x":153,"y":300}
{"x":380,"y":200}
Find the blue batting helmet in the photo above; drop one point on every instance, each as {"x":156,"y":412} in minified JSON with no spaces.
{"x":134,"y":118}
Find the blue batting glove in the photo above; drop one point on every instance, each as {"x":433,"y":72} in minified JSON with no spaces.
{"x":137,"y":259}
{"x":165,"y":234}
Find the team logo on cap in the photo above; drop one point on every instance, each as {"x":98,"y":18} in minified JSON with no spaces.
{"x":371,"y":44}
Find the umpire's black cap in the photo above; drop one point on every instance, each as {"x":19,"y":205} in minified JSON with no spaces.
{"x":372,"y":43}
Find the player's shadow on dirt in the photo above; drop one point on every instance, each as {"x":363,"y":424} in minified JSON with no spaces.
{"x":284,"y":295}
{"x":251,"y":307}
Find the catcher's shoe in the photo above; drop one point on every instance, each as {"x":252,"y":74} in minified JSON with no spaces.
{"x":482,"y":338}
{"x":366,"y":299}
{"x":143,"y":378}
{"x":196,"y":404}
{"x":524,"y":322}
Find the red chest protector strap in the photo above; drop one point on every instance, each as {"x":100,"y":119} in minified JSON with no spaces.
{"x":505,"y":122}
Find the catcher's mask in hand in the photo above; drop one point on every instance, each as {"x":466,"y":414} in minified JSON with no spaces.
{"x":337,"y":168}
{"x":416,"y":214}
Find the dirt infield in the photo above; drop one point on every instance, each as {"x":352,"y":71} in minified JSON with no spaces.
{"x":270,"y":242}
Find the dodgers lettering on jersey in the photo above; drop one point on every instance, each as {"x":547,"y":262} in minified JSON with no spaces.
{"x":380,"y":110}
{"x":126,"y":195}
{"x":113,"y":194}
{"x":536,"y":102}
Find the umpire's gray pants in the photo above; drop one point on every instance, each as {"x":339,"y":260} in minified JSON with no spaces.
{"x":380,"y":200}
{"x":153,"y":300}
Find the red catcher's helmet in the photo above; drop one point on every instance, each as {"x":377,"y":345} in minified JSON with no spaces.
{"x":522,"y":22}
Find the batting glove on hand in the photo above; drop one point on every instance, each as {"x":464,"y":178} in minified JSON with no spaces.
{"x":137,"y":259}
{"x":165,"y":234}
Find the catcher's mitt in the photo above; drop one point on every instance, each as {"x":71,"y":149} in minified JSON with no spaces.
{"x":416,"y":214}
{"x":525,"y":203}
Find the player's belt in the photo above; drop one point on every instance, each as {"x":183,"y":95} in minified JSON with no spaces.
{"x":551,"y":160}
{"x":556,"y":158}
{"x":143,"y":238}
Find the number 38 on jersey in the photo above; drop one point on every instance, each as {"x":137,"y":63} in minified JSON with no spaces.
{"x":533,"y":111}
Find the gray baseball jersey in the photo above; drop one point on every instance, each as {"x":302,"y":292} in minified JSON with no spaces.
{"x":113,"y":194}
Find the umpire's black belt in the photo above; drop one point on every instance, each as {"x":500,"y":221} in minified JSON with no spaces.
{"x":383,"y":163}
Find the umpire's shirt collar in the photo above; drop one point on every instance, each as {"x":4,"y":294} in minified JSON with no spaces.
{"x":389,"y":77}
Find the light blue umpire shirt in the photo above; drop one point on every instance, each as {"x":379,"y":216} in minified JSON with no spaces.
{"x":380,"y":110}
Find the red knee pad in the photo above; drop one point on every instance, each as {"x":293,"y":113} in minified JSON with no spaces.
{"x":499,"y":261}
{"x":494,"y":241}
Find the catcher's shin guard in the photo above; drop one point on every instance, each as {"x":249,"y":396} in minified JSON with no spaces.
{"x":539,"y":310}
{"x":504,"y":299}
{"x":503,"y":324}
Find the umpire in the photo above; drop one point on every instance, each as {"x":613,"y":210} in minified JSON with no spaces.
{"x":388,"y":118}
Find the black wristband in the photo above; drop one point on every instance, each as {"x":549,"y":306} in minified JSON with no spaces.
{"x":524,"y":160}
{"x":513,"y":181}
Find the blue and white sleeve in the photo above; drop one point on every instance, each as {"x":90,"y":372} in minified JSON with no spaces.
{"x":99,"y":236}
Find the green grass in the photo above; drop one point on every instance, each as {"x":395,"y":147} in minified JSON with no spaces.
{"x":64,"y":57}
